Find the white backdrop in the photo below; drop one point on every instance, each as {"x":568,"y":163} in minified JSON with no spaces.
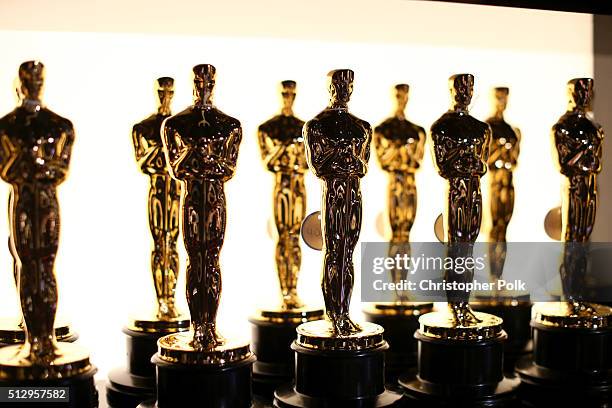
{"x":103,"y":82}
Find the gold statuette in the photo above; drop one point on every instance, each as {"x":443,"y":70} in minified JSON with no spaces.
{"x":338,"y":149}
{"x":201,"y":145}
{"x":578,"y":142}
{"x":12,"y":328}
{"x":460,"y":147}
{"x":514,"y":309}
{"x":460,"y":353}
{"x":282,"y":150}
{"x":571,"y":338}
{"x":136,"y":382}
{"x":163,"y":208}
{"x":34,"y":160}
{"x":503,"y":155}
{"x":399,"y":146}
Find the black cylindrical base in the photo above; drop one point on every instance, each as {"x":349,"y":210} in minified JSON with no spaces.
{"x":337,"y":378}
{"x":568,"y":366}
{"x":153,"y":404}
{"x":401,"y":356}
{"x":421,"y":394}
{"x":275,"y":364}
{"x":81,"y":390}
{"x":129,"y":386}
{"x":516,"y":324}
{"x":573,"y":350}
{"x":339,"y":374}
{"x":459,"y":373}
{"x":140,"y":348}
{"x":287,"y":397}
{"x":462,"y":363}
{"x":125,"y":390}
{"x":218,"y":386}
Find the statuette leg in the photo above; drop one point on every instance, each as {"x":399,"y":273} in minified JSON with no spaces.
{"x":342,"y":209}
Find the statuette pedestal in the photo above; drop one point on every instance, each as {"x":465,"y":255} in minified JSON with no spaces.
{"x":400,"y":321}
{"x":70,"y":368}
{"x":219,"y":376}
{"x":572,"y":357}
{"x":337,"y":371}
{"x":128,"y":386}
{"x":459,"y":366}
{"x":273,"y":331}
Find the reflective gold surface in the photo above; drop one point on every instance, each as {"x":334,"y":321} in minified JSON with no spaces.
{"x":578,"y":142}
{"x":68,"y":360}
{"x":36,"y":145}
{"x":151,"y":323}
{"x":569,"y":315}
{"x":322,"y":335}
{"x":442,"y":325}
{"x":282,"y":150}
{"x":504,"y":298}
{"x":311,"y":231}
{"x":337,"y":150}
{"x":578,"y":145}
{"x":397,"y":308}
{"x":399,"y":146}
{"x":163,"y":202}
{"x":179,"y":348}
{"x":504,"y":149}
{"x":11,"y":331}
{"x":460,"y":147}
{"x":553,"y":223}
{"x":201,"y":145}
{"x":288,"y":316}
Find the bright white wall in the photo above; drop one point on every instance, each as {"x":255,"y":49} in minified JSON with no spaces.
{"x":102,"y":79}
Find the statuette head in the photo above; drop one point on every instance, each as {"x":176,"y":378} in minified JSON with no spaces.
{"x":31,"y":78}
{"x":165,"y":92}
{"x":401,"y":95}
{"x":204,"y":82}
{"x":341,"y":85}
{"x":501,"y":98}
{"x":288,"y":94}
{"x":581,"y":93}
{"x":461,"y":89}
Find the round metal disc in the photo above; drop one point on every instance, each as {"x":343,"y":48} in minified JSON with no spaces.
{"x":552,"y":223}
{"x":439,"y":228}
{"x":311,"y":231}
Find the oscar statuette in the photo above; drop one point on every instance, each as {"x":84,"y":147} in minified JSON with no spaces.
{"x":11,"y":328}
{"x":571,"y":363}
{"x":514,"y":309}
{"x":131,"y":385}
{"x":460,"y":352}
{"x":338,"y":363}
{"x":199,"y":367}
{"x":399,"y":146}
{"x":34,"y":160}
{"x":273,"y":329}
